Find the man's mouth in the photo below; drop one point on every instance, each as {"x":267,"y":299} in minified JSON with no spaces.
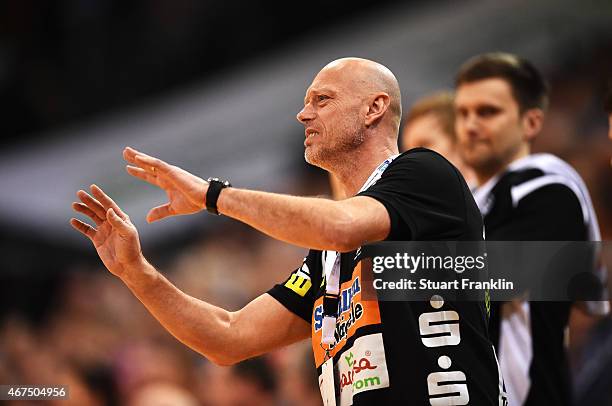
{"x":311,"y":133}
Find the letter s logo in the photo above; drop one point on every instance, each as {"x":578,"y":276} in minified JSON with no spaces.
{"x":431,"y":324}
{"x":456,"y":392}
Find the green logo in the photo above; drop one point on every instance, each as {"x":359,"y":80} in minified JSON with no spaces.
{"x":349,"y":359}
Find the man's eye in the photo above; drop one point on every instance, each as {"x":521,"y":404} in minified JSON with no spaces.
{"x":487,"y":111}
{"x":322,"y":97}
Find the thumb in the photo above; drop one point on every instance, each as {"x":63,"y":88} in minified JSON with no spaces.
{"x":159,"y":212}
{"x":117,"y":223}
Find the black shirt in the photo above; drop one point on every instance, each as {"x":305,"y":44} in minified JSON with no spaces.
{"x":539,"y":198}
{"x":392,"y":353}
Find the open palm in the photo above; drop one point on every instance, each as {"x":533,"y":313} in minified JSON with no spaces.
{"x":186,"y":192}
{"x":114,"y":237}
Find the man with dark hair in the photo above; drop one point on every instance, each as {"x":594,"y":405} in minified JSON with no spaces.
{"x":500,"y":103}
{"x":528,"y":86}
{"x":366,"y":351}
{"x":430,"y":123}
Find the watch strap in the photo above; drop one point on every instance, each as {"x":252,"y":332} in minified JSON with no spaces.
{"x":215,"y":186}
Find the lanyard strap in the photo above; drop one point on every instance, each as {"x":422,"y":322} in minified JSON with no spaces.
{"x":332,"y":272}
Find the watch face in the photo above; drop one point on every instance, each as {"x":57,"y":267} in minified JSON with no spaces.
{"x":225,"y":183}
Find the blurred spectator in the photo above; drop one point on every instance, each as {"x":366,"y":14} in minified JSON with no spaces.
{"x":430,"y":123}
{"x":608,"y":107}
{"x":162,"y":394}
{"x":299,"y":382}
{"x":249,"y":383}
{"x":592,"y":382}
{"x":110,"y":356}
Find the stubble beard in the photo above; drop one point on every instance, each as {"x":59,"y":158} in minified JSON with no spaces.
{"x":483,"y":163}
{"x":334,"y":155}
{"x":488,"y":163}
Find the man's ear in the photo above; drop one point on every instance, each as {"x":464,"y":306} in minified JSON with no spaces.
{"x":532,"y":122}
{"x":378,"y":106}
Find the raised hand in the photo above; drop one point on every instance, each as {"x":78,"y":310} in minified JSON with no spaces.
{"x":186,"y":192}
{"x":114,"y":237}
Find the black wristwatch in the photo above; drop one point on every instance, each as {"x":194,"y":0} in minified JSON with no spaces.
{"x":215,"y":186}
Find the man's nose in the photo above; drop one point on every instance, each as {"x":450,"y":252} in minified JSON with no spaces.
{"x":305,"y":115}
{"x":471,"y":124}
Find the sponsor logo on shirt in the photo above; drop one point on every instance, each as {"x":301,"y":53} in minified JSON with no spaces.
{"x":348,"y":378}
{"x":363,"y":367}
{"x":353,"y":313}
{"x":299,"y":281}
{"x":439,"y":329}
{"x":345,"y":304}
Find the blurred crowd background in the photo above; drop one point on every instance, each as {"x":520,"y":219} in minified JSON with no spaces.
{"x":214,"y":87}
{"x":94,"y":336}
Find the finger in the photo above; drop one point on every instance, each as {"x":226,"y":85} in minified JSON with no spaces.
{"x":83,"y":228}
{"x":82,"y":208}
{"x":107,"y":202}
{"x":142,"y":174}
{"x":160,"y":212}
{"x":92,"y":203}
{"x":129,"y":154}
{"x":118,"y":223}
{"x":150,"y":164}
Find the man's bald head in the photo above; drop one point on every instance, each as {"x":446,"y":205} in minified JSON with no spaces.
{"x":352,"y":107}
{"x":368,"y":78}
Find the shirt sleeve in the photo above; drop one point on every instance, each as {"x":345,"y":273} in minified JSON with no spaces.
{"x":298,"y":292}
{"x":424,"y":197}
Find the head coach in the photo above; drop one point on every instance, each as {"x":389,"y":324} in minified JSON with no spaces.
{"x":366,"y":351}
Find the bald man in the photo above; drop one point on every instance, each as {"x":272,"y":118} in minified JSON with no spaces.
{"x":366,"y":351}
